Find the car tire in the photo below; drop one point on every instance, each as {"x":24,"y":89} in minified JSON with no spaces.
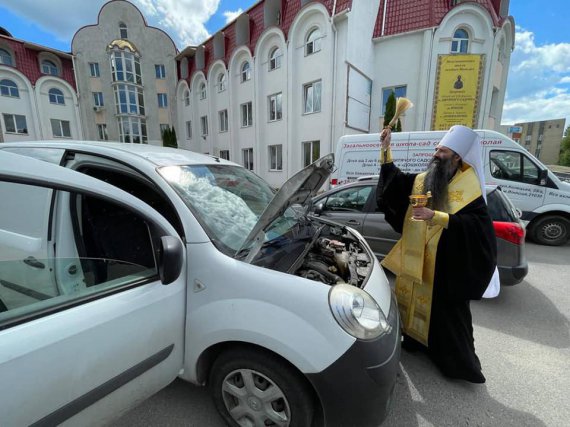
{"x":239,"y":380}
{"x":551,"y":230}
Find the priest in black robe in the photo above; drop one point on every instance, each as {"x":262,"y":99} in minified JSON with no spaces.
{"x":447,"y":254}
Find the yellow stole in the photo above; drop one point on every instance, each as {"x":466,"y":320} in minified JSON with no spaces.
{"x":412,"y":259}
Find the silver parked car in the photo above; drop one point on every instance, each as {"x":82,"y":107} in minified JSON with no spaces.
{"x":354,"y":204}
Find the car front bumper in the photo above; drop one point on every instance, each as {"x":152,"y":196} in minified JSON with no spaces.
{"x":357,"y":389}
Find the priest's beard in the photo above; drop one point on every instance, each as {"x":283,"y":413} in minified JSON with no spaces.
{"x":438,"y":175}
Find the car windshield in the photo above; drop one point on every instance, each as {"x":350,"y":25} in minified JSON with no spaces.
{"x":227,"y":200}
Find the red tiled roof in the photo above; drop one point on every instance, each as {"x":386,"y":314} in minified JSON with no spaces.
{"x":27,"y":61}
{"x":290,"y":8}
{"x":409,"y":15}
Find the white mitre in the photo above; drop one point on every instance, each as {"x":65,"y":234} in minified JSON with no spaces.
{"x":465,"y":142}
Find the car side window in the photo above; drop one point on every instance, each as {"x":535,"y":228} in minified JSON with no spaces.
{"x":59,"y":249}
{"x":349,"y":199}
{"x":498,"y":210}
{"x":513,"y":166}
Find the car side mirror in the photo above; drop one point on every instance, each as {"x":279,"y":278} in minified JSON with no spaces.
{"x":171,"y":259}
{"x":543,"y":177}
{"x":319,"y":209}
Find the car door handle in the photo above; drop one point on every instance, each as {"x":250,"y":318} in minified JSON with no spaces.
{"x":33,"y":262}
{"x":353,"y":222}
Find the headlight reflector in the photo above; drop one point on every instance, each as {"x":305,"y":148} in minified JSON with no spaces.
{"x":357,"y":312}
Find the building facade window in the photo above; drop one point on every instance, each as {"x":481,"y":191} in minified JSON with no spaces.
{"x":222,"y":82}
{"x":164,"y":127}
{"x":94,"y":69}
{"x":102,"y":132}
{"x":225,"y":154}
{"x":187,"y":98}
{"x":275,"y":107}
{"x":313,"y":42}
{"x":126,"y":67}
{"x":56,"y":96}
{"x":9,"y":88}
{"x":399,"y":92}
{"x":203,"y":92}
{"x":48,"y":67}
{"x":247,"y":154}
{"x":312,"y":97}
{"x":132,"y":129}
{"x":460,"y":41}
{"x":98,"y":99}
{"x":275,"y":157}
{"x":223,"y":120}
{"x":123,"y":30}
{"x":311,"y":152}
{"x":189,"y":129}
{"x":15,"y":123}
{"x":162,"y":100}
{"x":160,"y":71}
{"x":60,"y":128}
{"x":275,"y":58}
{"x":245,"y":71}
{"x":204,"y":125}
{"x":129,"y":99}
{"x":6,"y":57}
{"x":246,"y":114}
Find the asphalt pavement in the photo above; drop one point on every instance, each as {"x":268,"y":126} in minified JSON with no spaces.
{"x":522,"y":338}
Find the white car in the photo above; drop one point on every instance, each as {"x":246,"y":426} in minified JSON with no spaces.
{"x":123,"y":266}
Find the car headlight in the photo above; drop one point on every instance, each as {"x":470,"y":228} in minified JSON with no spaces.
{"x":357,"y":312}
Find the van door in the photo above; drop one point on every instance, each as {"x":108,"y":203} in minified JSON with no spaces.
{"x":99,"y":333}
{"x":518,"y":176}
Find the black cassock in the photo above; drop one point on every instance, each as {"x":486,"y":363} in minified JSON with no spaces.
{"x":465,"y":261}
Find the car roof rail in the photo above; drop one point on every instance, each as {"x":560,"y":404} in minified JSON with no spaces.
{"x":368,"y":177}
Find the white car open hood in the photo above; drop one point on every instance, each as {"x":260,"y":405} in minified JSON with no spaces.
{"x":299,"y":189}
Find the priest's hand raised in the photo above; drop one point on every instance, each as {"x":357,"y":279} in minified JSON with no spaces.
{"x":385,"y":138}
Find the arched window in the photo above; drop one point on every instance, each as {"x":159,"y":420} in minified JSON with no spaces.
{"x":245,"y":71}
{"x":48,"y":67}
{"x":187,"y":98}
{"x":221,"y":82}
{"x":6,"y":57}
{"x":203,"y":91}
{"x":123,"y":30}
{"x":274,"y":58}
{"x":460,"y":41}
{"x":56,"y":96}
{"x":313,"y":42}
{"x":9,"y":88}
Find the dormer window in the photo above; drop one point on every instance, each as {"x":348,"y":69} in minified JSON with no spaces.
{"x":313,"y":42}
{"x":49,"y":67}
{"x":460,"y":41}
{"x":275,"y":59}
{"x":6,"y":57}
{"x":123,"y":30}
{"x":56,"y":96}
{"x":245,"y":72}
{"x":9,"y":88}
{"x":221,"y":82}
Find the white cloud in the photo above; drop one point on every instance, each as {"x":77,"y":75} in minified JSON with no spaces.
{"x":183,"y":20}
{"x":230,"y":16}
{"x":538,"y":86}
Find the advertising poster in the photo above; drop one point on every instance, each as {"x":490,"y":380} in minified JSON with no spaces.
{"x":457,"y":91}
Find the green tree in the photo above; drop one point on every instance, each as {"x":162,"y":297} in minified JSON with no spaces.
{"x":169,"y":138}
{"x":390,"y":111}
{"x":565,"y":149}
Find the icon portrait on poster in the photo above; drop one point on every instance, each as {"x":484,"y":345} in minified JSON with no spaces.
{"x":458,"y":83}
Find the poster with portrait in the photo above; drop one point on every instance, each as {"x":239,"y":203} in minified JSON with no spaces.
{"x":457,"y":91}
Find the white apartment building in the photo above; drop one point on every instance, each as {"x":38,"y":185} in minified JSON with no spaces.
{"x":277,"y":87}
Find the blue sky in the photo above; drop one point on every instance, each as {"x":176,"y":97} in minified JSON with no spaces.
{"x":538,"y":86}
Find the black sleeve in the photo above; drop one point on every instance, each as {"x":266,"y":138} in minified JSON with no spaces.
{"x":394,"y":187}
{"x":469,"y":254}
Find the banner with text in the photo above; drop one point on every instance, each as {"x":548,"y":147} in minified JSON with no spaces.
{"x":457,"y":91}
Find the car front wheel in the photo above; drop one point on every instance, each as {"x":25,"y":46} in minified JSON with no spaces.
{"x":551,"y":230}
{"x":253,"y":388}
